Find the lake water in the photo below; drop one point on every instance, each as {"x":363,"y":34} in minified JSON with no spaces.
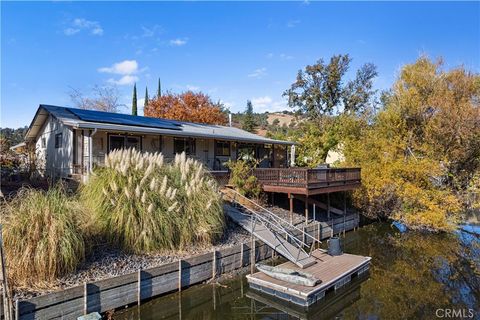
{"x":412,"y":276}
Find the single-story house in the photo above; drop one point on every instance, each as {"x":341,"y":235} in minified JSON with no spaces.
{"x":70,"y":142}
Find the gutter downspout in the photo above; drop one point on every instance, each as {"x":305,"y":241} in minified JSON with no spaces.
{"x":90,"y":151}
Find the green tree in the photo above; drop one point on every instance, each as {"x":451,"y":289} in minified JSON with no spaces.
{"x":159,"y":90}
{"x":146,"y":98}
{"x":249,"y":120}
{"x":134,"y":100}
{"x":319,"y":89}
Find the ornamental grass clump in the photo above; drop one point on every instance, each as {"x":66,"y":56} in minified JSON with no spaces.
{"x":143,"y":204}
{"x":42,"y":235}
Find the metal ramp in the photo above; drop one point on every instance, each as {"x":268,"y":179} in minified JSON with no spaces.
{"x":274,"y":231}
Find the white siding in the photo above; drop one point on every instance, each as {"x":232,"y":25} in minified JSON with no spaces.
{"x":51,"y":161}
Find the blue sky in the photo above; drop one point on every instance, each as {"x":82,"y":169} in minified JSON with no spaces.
{"x":232,"y":51}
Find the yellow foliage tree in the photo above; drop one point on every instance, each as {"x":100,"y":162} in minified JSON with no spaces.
{"x":421,"y":148}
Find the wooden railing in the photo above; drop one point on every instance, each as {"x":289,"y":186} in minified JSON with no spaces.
{"x":300,"y":177}
{"x":307,"y":178}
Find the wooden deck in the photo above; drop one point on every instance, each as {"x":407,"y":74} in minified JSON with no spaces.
{"x":302,"y":180}
{"x":333,"y":271}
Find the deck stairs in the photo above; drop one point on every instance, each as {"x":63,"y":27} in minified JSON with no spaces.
{"x":279,"y":234}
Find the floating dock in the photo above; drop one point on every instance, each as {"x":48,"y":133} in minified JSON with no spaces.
{"x":333,"y":271}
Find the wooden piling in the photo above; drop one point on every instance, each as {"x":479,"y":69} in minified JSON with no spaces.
{"x":252,"y":257}
{"x":85,"y":298}
{"x":214,"y":264}
{"x":139,"y":285}
{"x":180,"y":275}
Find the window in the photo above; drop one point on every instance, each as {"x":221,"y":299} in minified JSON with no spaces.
{"x":58,"y":140}
{"x":222,"y":148}
{"x":184,"y":145}
{"x":116,"y":142}
{"x":44,"y":142}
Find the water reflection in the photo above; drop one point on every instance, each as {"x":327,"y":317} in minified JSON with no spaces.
{"x":411,"y":276}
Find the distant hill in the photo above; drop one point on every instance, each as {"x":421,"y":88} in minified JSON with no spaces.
{"x":263,"y":120}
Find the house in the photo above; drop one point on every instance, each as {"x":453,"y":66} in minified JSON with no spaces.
{"x":70,"y":142}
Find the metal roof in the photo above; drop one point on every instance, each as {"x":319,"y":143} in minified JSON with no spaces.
{"x":108,"y":121}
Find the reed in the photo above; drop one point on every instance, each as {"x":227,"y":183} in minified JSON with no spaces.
{"x":143,"y":204}
{"x":42,"y":236}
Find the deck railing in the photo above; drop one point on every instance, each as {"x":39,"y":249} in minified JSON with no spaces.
{"x":306,"y":178}
{"x":300,"y":177}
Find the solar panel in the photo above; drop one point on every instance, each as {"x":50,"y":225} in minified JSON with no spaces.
{"x":123,"y":119}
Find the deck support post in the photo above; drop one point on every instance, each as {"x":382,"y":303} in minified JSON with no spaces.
{"x":344,"y":210}
{"x":328,"y":205}
{"x":306,"y":209}
{"x":290,"y":196}
{"x":314,"y":213}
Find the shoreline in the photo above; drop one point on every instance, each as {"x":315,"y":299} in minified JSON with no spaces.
{"x":107,"y":262}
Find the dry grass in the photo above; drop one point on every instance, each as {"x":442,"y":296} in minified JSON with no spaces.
{"x":144,"y":205}
{"x":42,"y":237}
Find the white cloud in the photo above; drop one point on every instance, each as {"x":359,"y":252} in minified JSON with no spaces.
{"x":266,"y":103}
{"x":269,"y":55}
{"x":292,"y":23}
{"x":125,"y":67}
{"x":258,"y":73}
{"x":178,"y":42}
{"x":125,"y":80}
{"x":192,"y":88}
{"x":79,"y":24}
{"x":284,"y":56}
{"x":151,"y":31}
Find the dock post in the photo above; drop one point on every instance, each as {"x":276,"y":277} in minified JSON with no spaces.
{"x":306,"y":209}
{"x":85,"y":298}
{"x":314,"y":213}
{"x":214,"y":264}
{"x":180,"y":275}
{"x":17,"y":309}
{"x":139,"y":292}
{"x":252,"y":256}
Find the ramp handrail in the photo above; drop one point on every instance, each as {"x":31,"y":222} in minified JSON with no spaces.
{"x":272,"y":215}
{"x":272,"y":221}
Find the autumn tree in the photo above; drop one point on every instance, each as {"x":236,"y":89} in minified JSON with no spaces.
{"x":321,"y":89}
{"x":248,"y":122}
{"x":103,"y":98}
{"x":421,"y":148}
{"x":187,"y":106}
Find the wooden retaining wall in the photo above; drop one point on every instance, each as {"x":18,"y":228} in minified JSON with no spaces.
{"x":127,"y":289}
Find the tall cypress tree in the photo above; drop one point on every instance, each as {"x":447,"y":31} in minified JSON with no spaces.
{"x":134,"y":100}
{"x":159,"y":92}
{"x":249,"y":120}
{"x":146,"y":98}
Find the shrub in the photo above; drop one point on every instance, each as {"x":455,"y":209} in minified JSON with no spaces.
{"x":144,"y":204}
{"x":41,"y":235}
{"x":243,"y":180}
